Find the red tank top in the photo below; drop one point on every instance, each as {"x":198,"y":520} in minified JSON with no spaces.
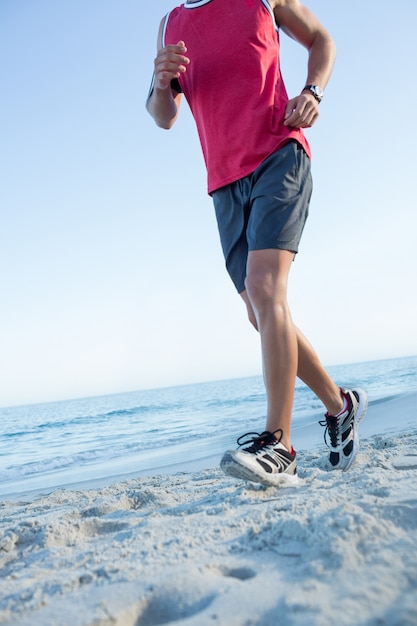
{"x":233,"y":83}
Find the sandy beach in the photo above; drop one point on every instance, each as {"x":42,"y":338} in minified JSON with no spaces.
{"x":199,"y":548}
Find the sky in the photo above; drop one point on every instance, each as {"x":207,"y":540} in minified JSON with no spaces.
{"x":111,"y":273}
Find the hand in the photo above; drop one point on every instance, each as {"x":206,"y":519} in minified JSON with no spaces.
{"x":170,"y":63}
{"x":301,"y":111}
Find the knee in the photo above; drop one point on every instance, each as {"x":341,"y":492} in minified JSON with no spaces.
{"x":265,"y":294}
{"x":259,"y":290}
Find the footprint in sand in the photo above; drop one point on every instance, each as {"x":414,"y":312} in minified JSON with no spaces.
{"x":186,"y":596}
{"x":165,"y":605}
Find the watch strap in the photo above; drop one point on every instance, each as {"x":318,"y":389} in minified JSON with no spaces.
{"x":316,"y":91}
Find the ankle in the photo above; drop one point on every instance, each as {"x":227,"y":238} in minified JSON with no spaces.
{"x":338,"y":405}
{"x":286,"y":443}
{"x":282,"y":438}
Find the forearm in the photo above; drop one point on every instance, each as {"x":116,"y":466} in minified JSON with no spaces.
{"x":162,"y":106}
{"x":322,"y":55}
{"x":164,"y":102}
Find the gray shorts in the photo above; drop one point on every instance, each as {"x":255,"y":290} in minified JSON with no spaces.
{"x":265,"y":210}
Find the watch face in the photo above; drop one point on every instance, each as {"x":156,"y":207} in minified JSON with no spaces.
{"x":317,"y":91}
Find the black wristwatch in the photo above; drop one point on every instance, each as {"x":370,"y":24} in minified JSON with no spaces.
{"x":317,"y":92}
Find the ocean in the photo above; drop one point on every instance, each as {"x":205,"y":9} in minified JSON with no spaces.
{"x":46,"y":446}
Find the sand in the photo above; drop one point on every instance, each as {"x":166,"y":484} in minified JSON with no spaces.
{"x":200,"y":548}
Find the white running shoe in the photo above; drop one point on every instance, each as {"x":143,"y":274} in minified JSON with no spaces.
{"x":263,"y":460}
{"x":341,"y":434}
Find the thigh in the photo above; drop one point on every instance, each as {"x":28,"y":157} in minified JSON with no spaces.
{"x":232,"y":206}
{"x":280,"y":198}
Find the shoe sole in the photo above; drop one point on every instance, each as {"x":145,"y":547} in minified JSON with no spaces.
{"x":362,"y":407}
{"x":233,"y":468}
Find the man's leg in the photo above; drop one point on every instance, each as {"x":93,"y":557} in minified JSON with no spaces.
{"x":266,"y":293}
{"x":269,"y":457}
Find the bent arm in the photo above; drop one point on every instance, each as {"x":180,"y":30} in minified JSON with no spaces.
{"x":299,"y":23}
{"x":164,"y":101}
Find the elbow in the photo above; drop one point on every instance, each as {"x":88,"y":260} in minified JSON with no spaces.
{"x":165,"y":124}
{"x":161,"y":119}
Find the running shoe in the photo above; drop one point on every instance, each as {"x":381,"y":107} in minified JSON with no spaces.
{"x":261,"y":458}
{"x":341,"y":434}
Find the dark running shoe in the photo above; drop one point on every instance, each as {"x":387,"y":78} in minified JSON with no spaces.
{"x":341,"y":434}
{"x":261,"y":459}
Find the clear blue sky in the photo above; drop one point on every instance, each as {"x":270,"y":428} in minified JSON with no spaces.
{"x":111,"y":273}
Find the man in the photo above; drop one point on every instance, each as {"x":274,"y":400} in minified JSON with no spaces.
{"x":223,"y":55}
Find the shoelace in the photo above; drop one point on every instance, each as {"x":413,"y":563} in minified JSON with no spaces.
{"x":256,"y":441}
{"x":332,"y":429}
